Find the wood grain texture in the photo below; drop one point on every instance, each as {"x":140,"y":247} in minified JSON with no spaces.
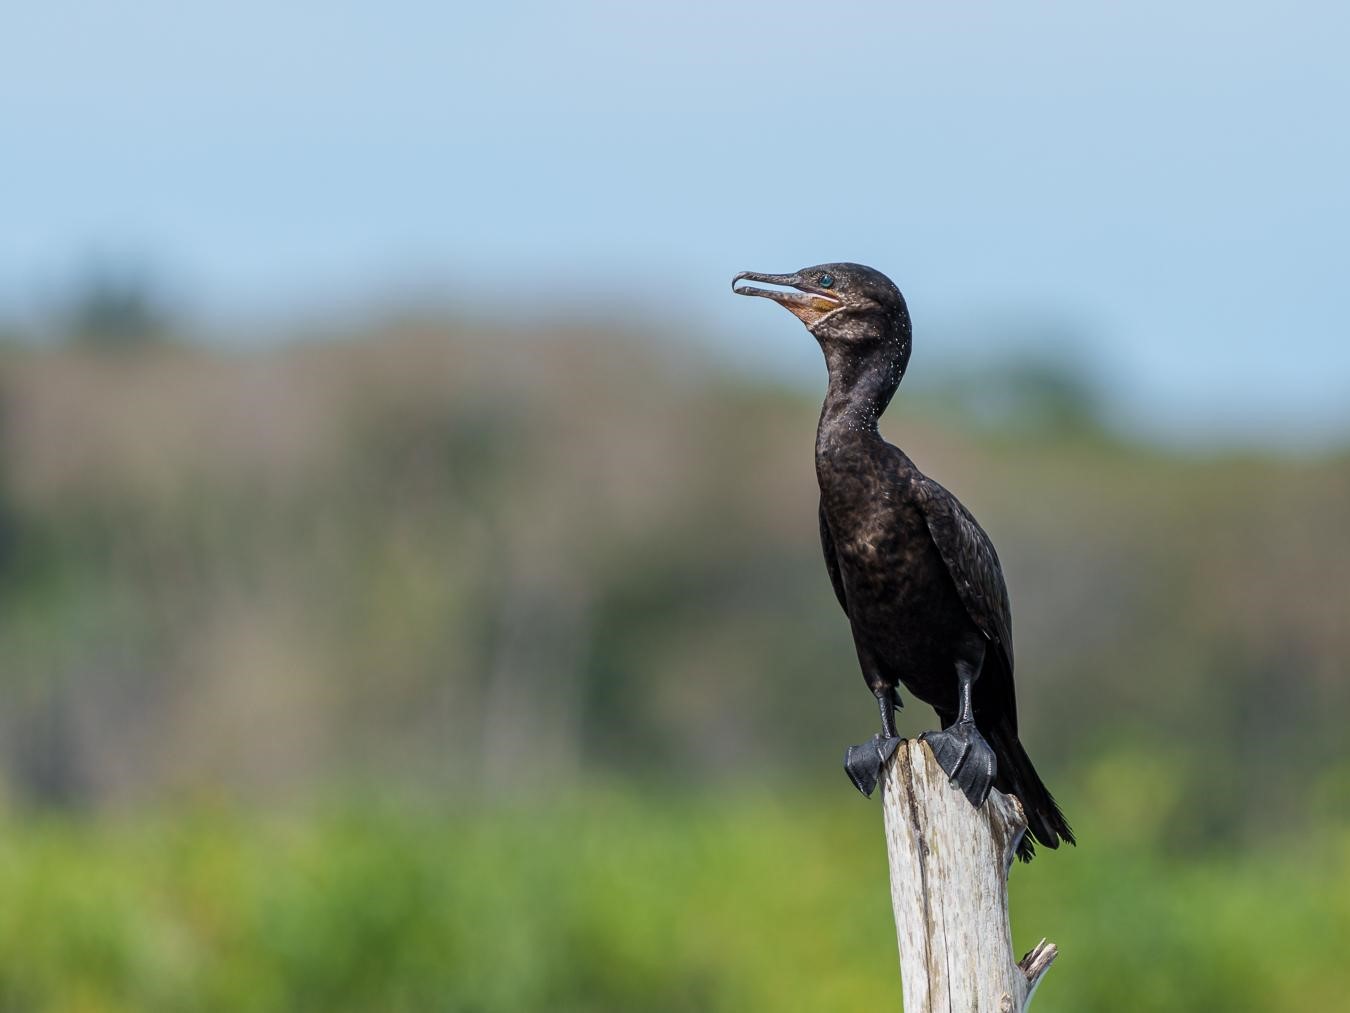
{"x":949,"y":866}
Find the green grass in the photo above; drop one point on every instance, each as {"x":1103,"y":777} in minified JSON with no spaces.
{"x":613,"y":902}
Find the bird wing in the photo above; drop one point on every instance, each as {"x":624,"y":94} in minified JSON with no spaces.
{"x":973,"y":565}
{"x":832,"y":560}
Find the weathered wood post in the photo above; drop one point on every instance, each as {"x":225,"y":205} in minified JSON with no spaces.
{"x":949,"y":888}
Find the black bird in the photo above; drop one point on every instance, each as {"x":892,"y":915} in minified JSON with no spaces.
{"x":916,"y":575}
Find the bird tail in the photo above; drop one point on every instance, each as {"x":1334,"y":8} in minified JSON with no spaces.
{"x":1044,"y":820}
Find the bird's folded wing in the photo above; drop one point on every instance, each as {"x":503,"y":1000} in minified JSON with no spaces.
{"x":972,"y":563}
{"x":832,"y":560}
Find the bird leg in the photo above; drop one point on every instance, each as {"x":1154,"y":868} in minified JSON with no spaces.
{"x":960,"y":749}
{"x":863,"y":763}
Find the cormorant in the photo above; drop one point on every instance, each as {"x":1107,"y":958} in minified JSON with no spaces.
{"x":916,"y":575}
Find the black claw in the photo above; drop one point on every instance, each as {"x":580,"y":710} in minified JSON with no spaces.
{"x":861,"y":768}
{"x":966,"y":758}
{"x":863,"y":763}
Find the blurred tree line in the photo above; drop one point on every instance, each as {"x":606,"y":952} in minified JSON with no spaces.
{"x":422,"y":554}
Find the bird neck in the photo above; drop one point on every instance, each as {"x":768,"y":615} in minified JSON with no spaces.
{"x":860,"y":389}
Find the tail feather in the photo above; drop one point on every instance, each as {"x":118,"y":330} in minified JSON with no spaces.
{"x":1017,"y":776}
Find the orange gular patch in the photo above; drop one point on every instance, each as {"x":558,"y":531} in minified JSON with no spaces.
{"x":810,"y":308}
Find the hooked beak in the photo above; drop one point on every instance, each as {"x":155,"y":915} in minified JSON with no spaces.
{"x":809,"y":304}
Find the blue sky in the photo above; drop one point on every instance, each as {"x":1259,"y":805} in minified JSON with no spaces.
{"x":1164,"y":184}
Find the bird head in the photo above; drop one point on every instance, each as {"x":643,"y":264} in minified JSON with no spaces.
{"x":851,"y":310}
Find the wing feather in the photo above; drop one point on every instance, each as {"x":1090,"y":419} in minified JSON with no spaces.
{"x":832,"y":560}
{"x":973,"y":564}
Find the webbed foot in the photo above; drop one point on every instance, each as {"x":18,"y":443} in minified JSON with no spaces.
{"x":966,"y":758}
{"x":863,"y":763}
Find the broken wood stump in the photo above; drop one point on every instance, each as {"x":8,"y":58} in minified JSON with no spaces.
{"x":949,"y":865}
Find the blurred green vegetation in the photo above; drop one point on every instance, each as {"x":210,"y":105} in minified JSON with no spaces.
{"x":442,"y":574}
{"x":616,"y":902}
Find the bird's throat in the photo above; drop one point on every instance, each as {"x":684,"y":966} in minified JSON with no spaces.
{"x":858,"y":393}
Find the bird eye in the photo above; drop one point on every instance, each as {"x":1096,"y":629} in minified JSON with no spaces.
{"x":826,"y":280}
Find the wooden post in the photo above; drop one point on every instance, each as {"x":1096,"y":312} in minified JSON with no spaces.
{"x":949,"y":888}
